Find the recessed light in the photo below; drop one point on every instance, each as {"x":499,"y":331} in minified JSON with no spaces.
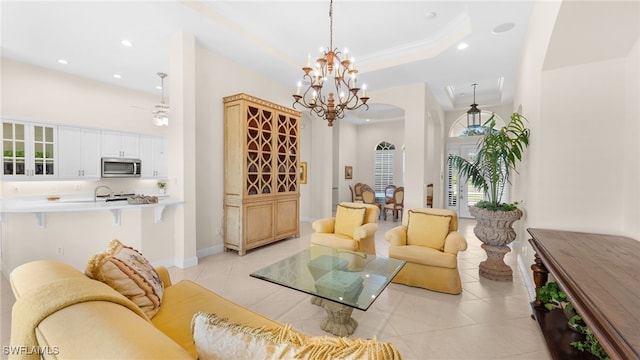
{"x":117,"y":76}
{"x":159,"y":87}
{"x":126,"y":43}
{"x":63,"y":61}
{"x":368,"y":120}
{"x":462,"y":46}
{"x":502,"y":28}
{"x":430,"y":15}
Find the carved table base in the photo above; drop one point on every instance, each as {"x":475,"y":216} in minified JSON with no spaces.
{"x":338,"y":321}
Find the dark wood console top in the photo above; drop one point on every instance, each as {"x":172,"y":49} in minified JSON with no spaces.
{"x":601,"y":276}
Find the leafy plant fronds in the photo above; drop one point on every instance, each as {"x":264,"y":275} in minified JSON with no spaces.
{"x":499,"y":151}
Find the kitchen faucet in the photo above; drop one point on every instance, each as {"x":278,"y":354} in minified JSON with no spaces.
{"x":95,"y":192}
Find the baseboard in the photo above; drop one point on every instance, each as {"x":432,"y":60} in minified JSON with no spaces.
{"x":164,"y":262}
{"x":526,"y":277}
{"x":209,"y":251}
{"x":186,"y":263}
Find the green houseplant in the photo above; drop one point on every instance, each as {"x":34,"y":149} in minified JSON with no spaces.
{"x":498,"y":153}
{"x":552,"y":297}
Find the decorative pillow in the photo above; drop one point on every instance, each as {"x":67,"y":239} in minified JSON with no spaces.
{"x":332,"y":347}
{"x":427,"y":229}
{"x":348,"y":219}
{"x":128,"y":272}
{"x":217,"y":338}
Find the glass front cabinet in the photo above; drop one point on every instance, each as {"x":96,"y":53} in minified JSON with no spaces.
{"x":28,"y":151}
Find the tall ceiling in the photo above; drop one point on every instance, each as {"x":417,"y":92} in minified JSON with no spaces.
{"x":393,"y":42}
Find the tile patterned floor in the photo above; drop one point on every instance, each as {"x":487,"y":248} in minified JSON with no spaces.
{"x":489,"y":320}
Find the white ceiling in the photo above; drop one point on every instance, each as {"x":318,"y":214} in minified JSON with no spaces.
{"x":394,"y":42}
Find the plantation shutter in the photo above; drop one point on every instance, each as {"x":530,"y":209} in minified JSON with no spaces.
{"x":384,"y":166}
{"x":452,"y":183}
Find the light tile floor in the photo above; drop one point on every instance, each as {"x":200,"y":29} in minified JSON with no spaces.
{"x":489,"y":320}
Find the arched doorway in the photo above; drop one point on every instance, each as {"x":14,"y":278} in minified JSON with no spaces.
{"x":459,"y":194}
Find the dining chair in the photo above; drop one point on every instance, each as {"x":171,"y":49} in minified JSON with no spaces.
{"x":357,"y":190}
{"x":397,"y":206}
{"x":369,"y":197}
{"x":388,"y":193}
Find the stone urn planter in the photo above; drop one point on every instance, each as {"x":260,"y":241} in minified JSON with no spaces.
{"x":495,"y":230}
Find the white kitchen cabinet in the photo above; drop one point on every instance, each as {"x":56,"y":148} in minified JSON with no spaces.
{"x":28,"y":151}
{"x":78,"y":153}
{"x":153,"y":153}
{"x":119,"y":144}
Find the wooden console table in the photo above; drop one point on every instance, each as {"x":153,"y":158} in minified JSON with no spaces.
{"x":601,"y":276}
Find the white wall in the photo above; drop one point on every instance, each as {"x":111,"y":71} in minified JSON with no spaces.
{"x":422,"y":114}
{"x":581,"y":170}
{"x":630,"y":176}
{"x":305,"y":155}
{"x":582,"y":116}
{"x":38,"y":94}
{"x":348,"y":156}
{"x":216,"y":78}
{"x":369,"y":136}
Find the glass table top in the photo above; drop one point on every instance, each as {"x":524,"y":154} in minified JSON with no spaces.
{"x":346,"y":277}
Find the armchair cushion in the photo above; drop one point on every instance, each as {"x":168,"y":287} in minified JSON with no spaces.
{"x":423,"y":255}
{"x":428,"y":230}
{"x":348,"y":219}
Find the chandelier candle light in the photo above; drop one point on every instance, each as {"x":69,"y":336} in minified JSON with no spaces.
{"x":160,"y":117}
{"x":344,"y":74}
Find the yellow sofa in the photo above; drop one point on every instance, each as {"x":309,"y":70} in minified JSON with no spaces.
{"x":100,"y":323}
{"x":106,"y":330}
{"x":363,"y":238}
{"x":429,"y":267}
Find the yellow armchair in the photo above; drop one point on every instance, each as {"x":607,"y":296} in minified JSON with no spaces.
{"x":353,"y":228}
{"x":429,"y":242}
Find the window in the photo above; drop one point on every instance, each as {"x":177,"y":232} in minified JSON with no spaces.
{"x":459,"y":127}
{"x":384,"y":166}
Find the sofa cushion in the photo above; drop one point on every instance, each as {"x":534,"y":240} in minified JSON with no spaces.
{"x":348,"y":219}
{"x":128,"y":272}
{"x":427,"y":229}
{"x":217,"y":338}
{"x":184,"y":299}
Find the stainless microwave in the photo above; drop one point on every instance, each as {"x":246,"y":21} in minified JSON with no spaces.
{"x":120,"y":167}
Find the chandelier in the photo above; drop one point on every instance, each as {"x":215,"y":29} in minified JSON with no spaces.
{"x":160,"y":111}
{"x":345,"y":83}
{"x":474,"y":123}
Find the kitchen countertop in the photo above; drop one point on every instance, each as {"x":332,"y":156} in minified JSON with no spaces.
{"x":39,"y":206}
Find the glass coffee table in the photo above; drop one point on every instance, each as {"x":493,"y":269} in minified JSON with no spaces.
{"x":338,"y":280}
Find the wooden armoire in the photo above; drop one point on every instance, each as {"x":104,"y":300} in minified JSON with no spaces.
{"x":261,"y":162}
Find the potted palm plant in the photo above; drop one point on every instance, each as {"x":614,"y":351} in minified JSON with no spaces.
{"x":498,"y":153}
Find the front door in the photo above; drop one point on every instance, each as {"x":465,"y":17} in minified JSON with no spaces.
{"x":460,"y":194}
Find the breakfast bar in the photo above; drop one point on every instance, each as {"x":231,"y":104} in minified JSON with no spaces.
{"x":40,"y":206}
{"x":71,"y":227}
